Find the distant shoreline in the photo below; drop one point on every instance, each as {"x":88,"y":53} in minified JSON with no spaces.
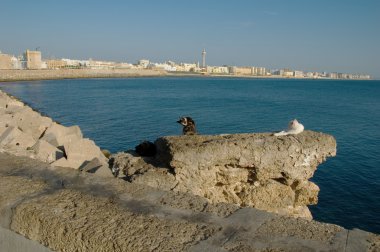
{"x":36,"y":75}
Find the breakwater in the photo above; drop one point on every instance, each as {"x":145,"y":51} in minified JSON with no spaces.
{"x":24,"y":75}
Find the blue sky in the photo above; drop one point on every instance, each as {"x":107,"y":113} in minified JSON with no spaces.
{"x":312,"y":35}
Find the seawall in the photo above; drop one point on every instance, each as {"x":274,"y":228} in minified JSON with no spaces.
{"x":24,"y":75}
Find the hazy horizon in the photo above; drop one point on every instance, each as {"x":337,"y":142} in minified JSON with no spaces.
{"x":340,"y":36}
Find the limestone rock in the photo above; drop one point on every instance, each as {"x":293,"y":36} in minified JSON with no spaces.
{"x":259,"y":170}
{"x":158,"y":178}
{"x":142,"y":170}
{"x":288,"y":157}
{"x":129,"y":163}
{"x":271,"y":195}
{"x":46,"y":152}
{"x":306,"y":193}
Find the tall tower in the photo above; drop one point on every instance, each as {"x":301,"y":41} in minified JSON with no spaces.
{"x":204,"y":58}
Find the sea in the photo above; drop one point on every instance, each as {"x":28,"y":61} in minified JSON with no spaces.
{"x":120,"y":113}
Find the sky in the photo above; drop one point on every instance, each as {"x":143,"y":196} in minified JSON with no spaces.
{"x":310,"y":35}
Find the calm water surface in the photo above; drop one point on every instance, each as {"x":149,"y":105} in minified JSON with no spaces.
{"x":119,"y":113}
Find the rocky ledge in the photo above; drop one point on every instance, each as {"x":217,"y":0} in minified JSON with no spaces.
{"x":258,"y":170}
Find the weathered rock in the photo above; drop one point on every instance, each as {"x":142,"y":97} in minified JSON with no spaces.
{"x":142,"y":170}
{"x":46,"y":152}
{"x":58,"y":135}
{"x":306,"y":193}
{"x":288,"y":157}
{"x":259,"y":170}
{"x":270,"y":194}
{"x":129,"y":163}
{"x":159,"y":178}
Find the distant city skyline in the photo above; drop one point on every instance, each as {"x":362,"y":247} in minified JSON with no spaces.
{"x":331,"y":36}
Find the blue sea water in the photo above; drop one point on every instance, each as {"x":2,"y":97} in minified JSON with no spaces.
{"x":119,"y":113}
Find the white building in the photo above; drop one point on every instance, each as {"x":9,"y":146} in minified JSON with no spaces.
{"x":298,"y":74}
{"x":143,"y":63}
{"x":162,"y":66}
{"x":260,"y":71}
{"x":217,"y":70}
{"x":16,"y":63}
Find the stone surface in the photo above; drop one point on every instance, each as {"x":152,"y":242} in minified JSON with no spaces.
{"x":142,"y":170}
{"x":30,"y":122}
{"x":58,"y":135}
{"x":257,"y":170}
{"x":46,"y":152}
{"x":97,"y":167}
{"x":13,"y":138}
{"x":82,"y":150}
{"x":359,"y":240}
{"x":7,"y":102}
{"x":67,"y":210}
{"x":25,"y":132}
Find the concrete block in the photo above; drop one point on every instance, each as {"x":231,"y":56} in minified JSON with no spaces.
{"x":31,"y":122}
{"x":46,"y":152}
{"x":13,"y":137}
{"x":63,"y":162}
{"x":8,"y":102}
{"x":3,"y":102}
{"x":97,"y":167}
{"x":5,"y":121}
{"x":83,"y":150}
{"x":11,"y":105}
{"x":58,"y":135}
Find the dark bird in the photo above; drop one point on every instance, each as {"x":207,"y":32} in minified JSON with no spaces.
{"x":188,"y":125}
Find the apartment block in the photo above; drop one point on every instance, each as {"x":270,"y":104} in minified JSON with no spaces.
{"x":33,"y":59}
{"x":5,"y":61}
